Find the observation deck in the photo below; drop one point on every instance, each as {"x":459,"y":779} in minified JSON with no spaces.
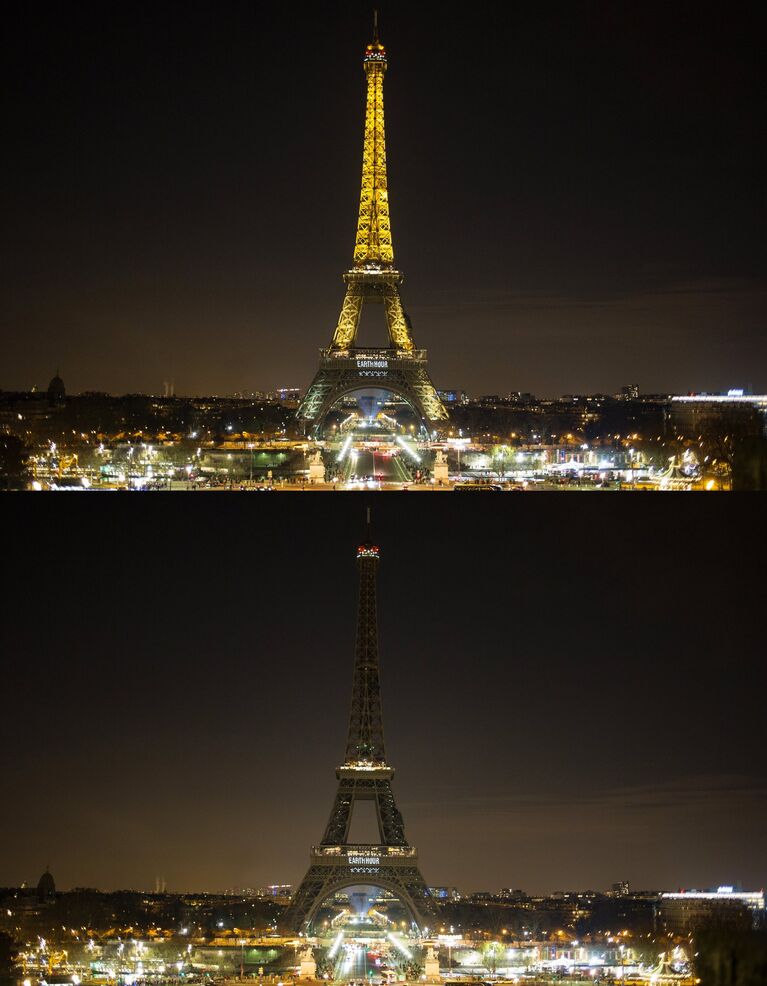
{"x":354,"y":356}
{"x":368,"y":772}
{"x":389,"y":852}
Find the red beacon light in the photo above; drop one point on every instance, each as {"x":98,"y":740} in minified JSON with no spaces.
{"x":367,"y":551}
{"x":375,"y":52}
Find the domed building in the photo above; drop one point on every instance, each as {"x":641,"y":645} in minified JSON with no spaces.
{"x":46,"y":888}
{"x":56,"y":390}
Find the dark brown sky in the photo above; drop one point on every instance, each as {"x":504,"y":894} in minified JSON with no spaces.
{"x":573,"y":687}
{"x":577,"y":191}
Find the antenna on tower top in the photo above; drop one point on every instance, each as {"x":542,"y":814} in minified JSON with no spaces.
{"x":375,"y":25}
{"x":367,"y":549}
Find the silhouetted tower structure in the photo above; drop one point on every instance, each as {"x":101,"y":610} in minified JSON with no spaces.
{"x":56,"y":391}
{"x":46,"y":887}
{"x":373,"y":278}
{"x":365,"y":775}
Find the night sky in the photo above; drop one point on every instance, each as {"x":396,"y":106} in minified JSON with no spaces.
{"x":573,"y":687}
{"x":577,"y":192}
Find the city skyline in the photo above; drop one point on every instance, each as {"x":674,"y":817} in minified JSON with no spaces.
{"x":287,"y":395}
{"x":163,"y":210}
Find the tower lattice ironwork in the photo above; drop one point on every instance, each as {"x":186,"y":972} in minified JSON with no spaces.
{"x":373,"y":278}
{"x":365,"y":775}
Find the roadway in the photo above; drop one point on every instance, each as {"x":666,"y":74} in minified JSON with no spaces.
{"x":351,"y":963}
{"x":386,"y":468}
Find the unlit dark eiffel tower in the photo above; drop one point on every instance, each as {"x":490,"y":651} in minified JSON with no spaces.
{"x":365,"y":775}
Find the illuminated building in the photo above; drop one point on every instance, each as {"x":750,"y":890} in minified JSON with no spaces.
{"x":510,"y":893}
{"x":277,"y":890}
{"x":743,"y":414}
{"x":346,"y":368}
{"x":453,"y":396}
{"x":445,"y":893}
{"x":288,"y":395}
{"x":688,"y":908}
{"x":629,"y":393}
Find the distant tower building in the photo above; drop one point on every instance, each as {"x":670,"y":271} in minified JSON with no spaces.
{"x":510,"y":893}
{"x":46,"y":888}
{"x":56,"y":391}
{"x":630,"y":393}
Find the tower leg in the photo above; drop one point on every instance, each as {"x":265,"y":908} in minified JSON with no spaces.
{"x":397,"y":322}
{"x":348,"y":320}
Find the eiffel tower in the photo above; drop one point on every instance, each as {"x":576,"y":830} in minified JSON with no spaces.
{"x":344,"y":367}
{"x":365,"y":775}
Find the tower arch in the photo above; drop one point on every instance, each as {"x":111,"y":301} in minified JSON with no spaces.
{"x":350,"y":386}
{"x":394,"y":886}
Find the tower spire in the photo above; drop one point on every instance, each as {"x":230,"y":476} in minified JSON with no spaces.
{"x":374,"y":242}
{"x":365,"y":742}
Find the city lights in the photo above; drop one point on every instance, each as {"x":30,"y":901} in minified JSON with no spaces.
{"x":568,"y":787}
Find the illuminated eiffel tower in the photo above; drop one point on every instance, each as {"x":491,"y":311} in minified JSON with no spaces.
{"x":365,"y":775}
{"x":344,"y":367}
